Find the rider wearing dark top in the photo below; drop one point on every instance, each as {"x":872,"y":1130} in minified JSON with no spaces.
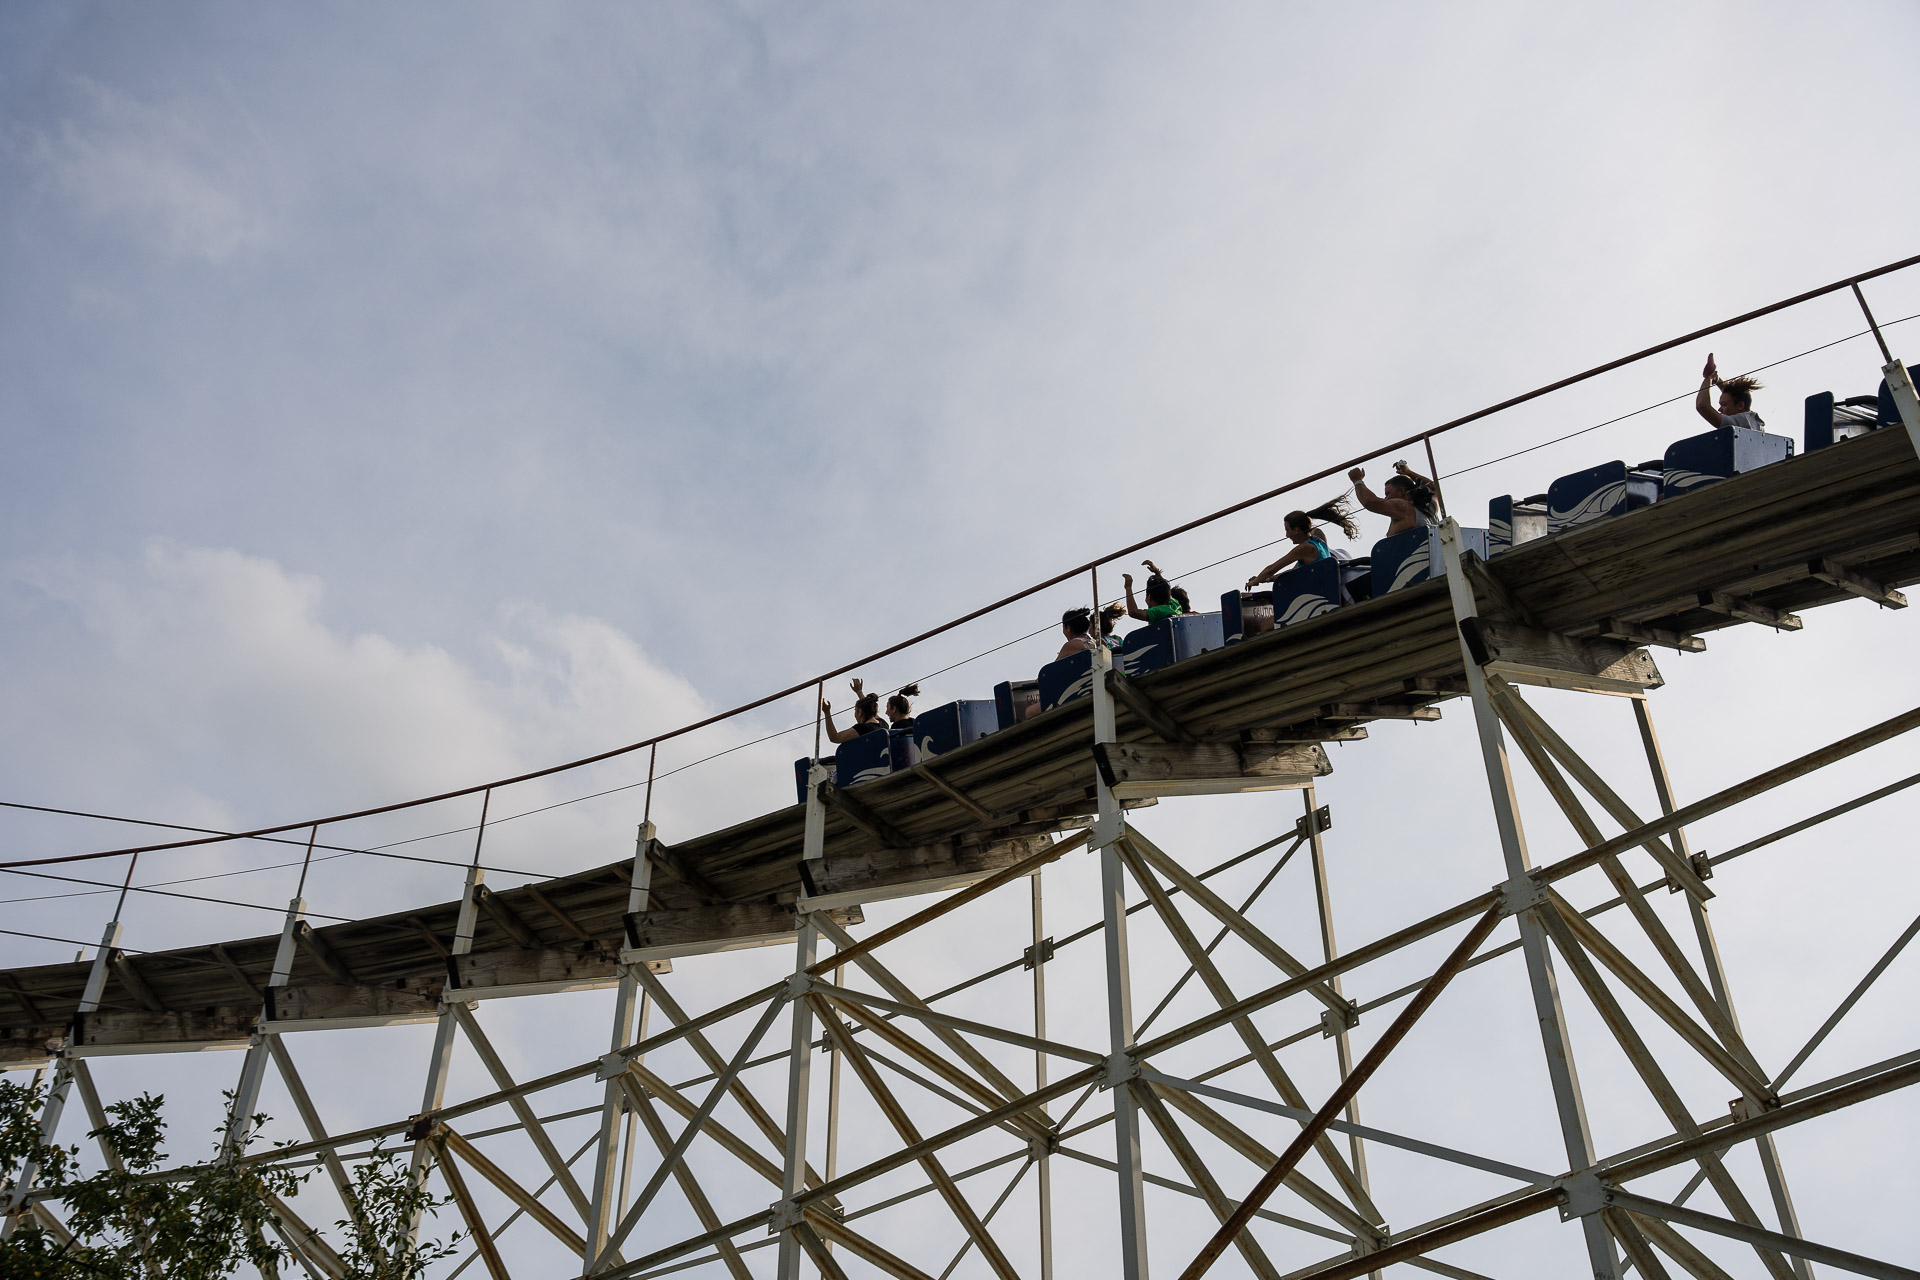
{"x":866,"y":715}
{"x":899,"y":710}
{"x":1309,"y":542}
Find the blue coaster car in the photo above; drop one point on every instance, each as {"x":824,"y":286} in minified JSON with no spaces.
{"x":1609,"y":489}
{"x":1410,"y":558}
{"x":1829,"y":423}
{"x":1356,"y":577}
{"x":873,"y":755}
{"x":1015,"y":700}
{"x":1170,"y":640}
{"x":1510,"y":522}
{"x":1306,"y":591}
{"x":1244,"y":615}
{"x":950,"y":727}
{"x":800,"y":776}
{"x":1065,"y":680}
{"x":1717,"y":455}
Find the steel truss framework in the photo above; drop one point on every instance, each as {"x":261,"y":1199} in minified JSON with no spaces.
{"x":904,"y":1055}
{"x":891,"y":1058}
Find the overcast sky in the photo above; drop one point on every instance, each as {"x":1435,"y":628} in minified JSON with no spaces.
{"x":394,"y":397}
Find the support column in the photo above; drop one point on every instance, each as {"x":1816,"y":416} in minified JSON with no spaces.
{"x":440,"y":1061}
{"x":793,"y":1177}
{"x":1716,"y":977}
{"x":1044,"y":1163}
{"x":799,"y":1085}
{"x":603,"y":1213}
{"x":1108,"y":827}
{"x":253,"y":1071}
{"x":1329,"y":949}
{"x":1567,"y":1099}
{"x":63,"y":1073}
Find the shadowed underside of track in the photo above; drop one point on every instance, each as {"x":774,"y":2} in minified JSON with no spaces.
{"x":1829,"y":526}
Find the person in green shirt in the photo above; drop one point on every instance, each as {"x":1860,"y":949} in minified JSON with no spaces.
{"x":1160,"y":601}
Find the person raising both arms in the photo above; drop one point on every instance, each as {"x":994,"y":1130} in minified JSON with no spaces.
{"x":1736,"y":399}
{"x":1407,"y":502}
{"x":866,"y":715}
{"x":1309,"y":541}
{"x":1160,"y":601}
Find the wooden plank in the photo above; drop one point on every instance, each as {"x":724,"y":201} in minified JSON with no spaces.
{"x":1487,"y":585}
{"x":1378,"y":711}
{"x":507,"y":968}
{"x":232,"y":966}
{"x":1635,"y":633}
{"x":564,"y":919}
{"x":1748,"y":610}
{"x":26,"y":1046}
{"x":503,"y":914}
{"x":1855,"y":583}
{"x":954,"y":793}
{"x":317,"y":1001}
{"x":880,"y":869}
{"x":1531,"y":647}
{"x":662,"y":855}
{"x":135,"y":984}
{"x":858,"y":813}
{"x":180,"y":1026}
{"x":1141,"y":704}
{"x":663,"y":931}
{"x":1211,"y":768}
{"x":323,"y":953}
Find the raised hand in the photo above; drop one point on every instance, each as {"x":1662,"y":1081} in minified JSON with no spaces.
{"x":1127,"y":578}
{"x":1357,"y":474}
{"x":859,"y":690}
{"x":1710,"y":373}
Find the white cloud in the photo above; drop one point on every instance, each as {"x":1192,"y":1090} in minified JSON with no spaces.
{"x":155,"y":171}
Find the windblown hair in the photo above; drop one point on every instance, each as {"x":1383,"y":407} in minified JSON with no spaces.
{"x":1337,"y":513}
{"x":900,"y":700}
{"x":1420,"y":495}
{"x":1110,"y":615}
{"x":1186,"y":601}
{"x":1077,"y":621}
{"x":1742,"y":389}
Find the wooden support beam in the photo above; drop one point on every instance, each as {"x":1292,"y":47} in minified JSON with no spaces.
{"x":1746,"y":610}
{"x":502,"y":913}
{"x":1638,"y":633}
{"x":123,"y":967}
{"x":690,"y":1187}
{"x":676,"y":931}
{"x":1378,"y":711}
{"x":528,"y":1203}
{"x":29,"y":1046}
{"x":470,"y":1212}
{"x":665,"y":856}
{"x":419,"y":1001}
{"x":433,"y":939}
{"x":240,"y":975}
{"x":909,"y":1134}
{"x":1847,"y":580}
{"x":1136,"y":769}
{"x":13,"y":988}
{"x":222,"y":1024}
{"x":874,"y":873}
{"x":1529,"y":655}
{"x":954,"y":793}
{"x":1488,"y":587}
{"x":1150,"y":712}
{"x":1307,"y":731}
{"x":323,"y":953}
{"x":565,"y":920}
{"x":1202,"y":1177}
{"x":861,"y":816}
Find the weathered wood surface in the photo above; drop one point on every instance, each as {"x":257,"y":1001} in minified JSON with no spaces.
{"x":1752,"y":539}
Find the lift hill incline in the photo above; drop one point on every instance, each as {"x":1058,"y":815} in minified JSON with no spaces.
{"x":1761,"y":547}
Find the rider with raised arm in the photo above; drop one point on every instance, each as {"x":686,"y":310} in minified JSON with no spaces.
{"x":1407,"y":502}
{"x":1736,"y":399}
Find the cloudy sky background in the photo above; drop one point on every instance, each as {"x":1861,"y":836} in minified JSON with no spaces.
{"x":397,"y":399}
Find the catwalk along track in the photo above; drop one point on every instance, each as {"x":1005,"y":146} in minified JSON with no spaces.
{"x":1576,"y":610}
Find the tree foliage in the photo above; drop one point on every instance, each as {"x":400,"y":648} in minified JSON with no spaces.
{"x":133,"y":1220}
